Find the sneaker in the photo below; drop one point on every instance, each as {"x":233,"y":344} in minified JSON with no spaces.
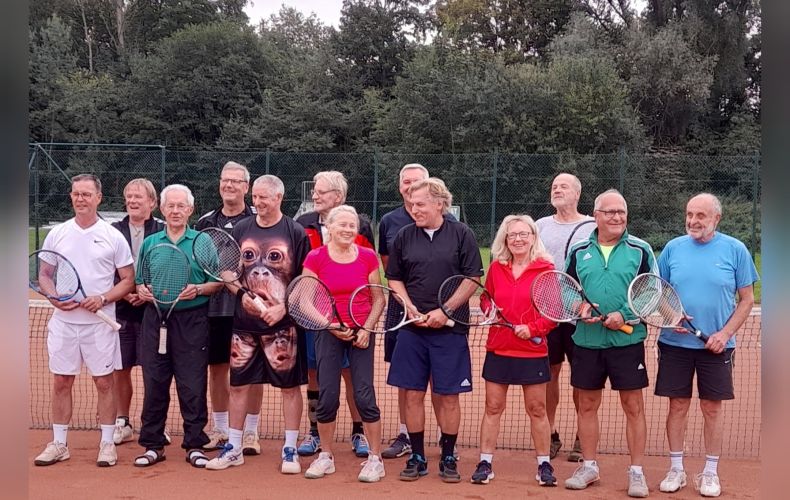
{"x":416,"y":467}
{"x":708,"y":484}
{"x":216,"y":440}
{"x":576,"y":453}
{"x":555,"y":446}
{"x":321,"y":466}
{"x":582,"y":477}
{"x":290,"y":463}
{"x":637,"y":485}
{"x":545,"y":476}
{"x":675,"y":480}
{"x":310,"y":446}
{"x":228,"y":457}
{"x":250,"y":444}
{"x":372,"y":470}
{"x":448,"y":470}
{"x":123,"y":431}
{"x":359,"y":443}
{"x":399,"y":446}
{"x":483,"y":473}
{"x":54,"y":452}
{"x":107,"y":454}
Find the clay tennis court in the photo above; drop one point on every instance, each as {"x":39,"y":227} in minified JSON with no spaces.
{"x":514,"y":461}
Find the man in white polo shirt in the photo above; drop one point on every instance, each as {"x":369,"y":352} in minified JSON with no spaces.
{"x":75,"y":334}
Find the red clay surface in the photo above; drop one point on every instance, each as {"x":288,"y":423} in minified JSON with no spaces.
{"x":259,"y":477}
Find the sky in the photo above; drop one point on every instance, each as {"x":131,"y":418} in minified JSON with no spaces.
{"x":328,"y":11}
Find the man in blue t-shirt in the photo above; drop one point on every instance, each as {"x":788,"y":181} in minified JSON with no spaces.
{"x":708,"y":269}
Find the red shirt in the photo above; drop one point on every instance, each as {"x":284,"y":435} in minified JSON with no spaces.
{"x":512,"y":295}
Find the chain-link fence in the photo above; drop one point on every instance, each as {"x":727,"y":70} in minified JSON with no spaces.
{"x":485,"y":187}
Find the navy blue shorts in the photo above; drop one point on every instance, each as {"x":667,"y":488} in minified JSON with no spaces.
{"x":312,"y":364}
{"x":420,"y":356}
{"x":129,"y":336}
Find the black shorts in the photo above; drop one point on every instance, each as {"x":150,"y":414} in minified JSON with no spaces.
{"x":560,"y":343}
{"x":278,"y":358}
{"x":624,"y":366}
{"x":508,"y":370}
{"x":390,"y":338}
{"x":220,"y":330}
{"x":676,"y":367}
{"x":129,"y":336}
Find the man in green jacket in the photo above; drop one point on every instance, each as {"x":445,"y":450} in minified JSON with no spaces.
{"x":605,"y":264}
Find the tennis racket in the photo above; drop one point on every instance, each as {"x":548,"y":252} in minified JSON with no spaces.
{"x":219,"y":255}
{"x":464,"y":286}
{"x":55,"y":277}
{"x":573,"y":233}
{"x":658,"y":304}
{"x":165,"y":272}
{"x":311,"y":305}
{"x":367,"y":303}
{"x":559,"y":297}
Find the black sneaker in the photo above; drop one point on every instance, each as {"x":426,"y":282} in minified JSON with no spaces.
{"x":483,"y":474}
{"x":416,"y":467}
{"x":399,"y":447}
{"x":545,"y":476}
{"x":448,"y":470}
{"x":556,"y":444}
{"x":576,"y":453}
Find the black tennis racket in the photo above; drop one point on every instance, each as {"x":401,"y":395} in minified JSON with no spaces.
{"x":310,"y":304}
{"x":559,"y":297}
{"x":573,"y":233}
{"x":219,"y":255}
{"x":451,"y":295}
{"x":55,"y":277}
{"x":369,"y":301}
{"x":165,"y":271}
{"x":658,"y":304}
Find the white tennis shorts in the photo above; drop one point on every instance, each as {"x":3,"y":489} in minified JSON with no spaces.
{"x":70,"y":344}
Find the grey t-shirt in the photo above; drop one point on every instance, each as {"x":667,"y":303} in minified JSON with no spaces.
{"x":554,"y":235}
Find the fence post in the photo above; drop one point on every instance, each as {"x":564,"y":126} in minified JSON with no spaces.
{"x":268,"y":159}
{"x":755,"y":187}
{"x":375,"y":187}
{"x":621,"y":162}
{"x":492,"y":229}
{"x":162,"y":166}
{"x":33,"y":163}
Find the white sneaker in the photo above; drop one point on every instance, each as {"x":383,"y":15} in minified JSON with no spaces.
{"x":708,"y":484}
{"x":321,"y":466}
{"x":250,"y":444}
{"x":637,"y":485}
{"x":54,"y":452}
{"x":372,"y":470}
{"x":123,"y":432}
{"x":107,"y":454}
{"x":582,"y":477}
{"x":228,"y":457}
{"x":290,"y":463}
{"x":675,"y":480}
{"x":216,"y":440}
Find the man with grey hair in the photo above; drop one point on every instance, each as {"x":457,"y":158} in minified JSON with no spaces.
{"x":234,"y":183}
{"x":558,"y":232}
{"x":708,"y":269}
{"x":186,"y":359}
{"x":604,"y":265}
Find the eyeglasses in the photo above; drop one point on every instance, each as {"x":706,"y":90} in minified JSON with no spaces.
{"x":235,"y":182}
{"x":611,"y":213}
{"x":320,"y":193}
{"x":523,"y":235}
{"x":84,"y":195}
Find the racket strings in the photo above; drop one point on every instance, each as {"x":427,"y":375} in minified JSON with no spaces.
{"x":652,"y":297}
{"x":368,"y":301}
{"x":52,"y":275}
{"x":556,"y":297}
{"x":218,"y":254}
{"x":454,"y":296}
{"x":166,"y":271}
{"x":310,"y":304}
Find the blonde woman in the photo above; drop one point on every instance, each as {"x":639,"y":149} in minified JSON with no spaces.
{"x":511,"y":357}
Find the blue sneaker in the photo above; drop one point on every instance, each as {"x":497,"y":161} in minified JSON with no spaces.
{"x":416,"y":467}
{"x":359,"y":443}
{"x":310,"y":445}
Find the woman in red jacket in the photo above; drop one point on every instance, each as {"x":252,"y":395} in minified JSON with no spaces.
{"x":512,"y":358}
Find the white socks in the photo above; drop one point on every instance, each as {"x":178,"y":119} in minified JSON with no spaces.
{"x":251,"y":422}
{"x":711,"y":465}
{"x":234,"y":438}
{"x":60,"y":432}
{"x":488,"y":457}
{"x":106,"y":433}
{"x":220,"y":421}
{"x":290,"y":438}
{"x":544,"y":458}
{"x":636,"y":468}
{"x":676,"y":460}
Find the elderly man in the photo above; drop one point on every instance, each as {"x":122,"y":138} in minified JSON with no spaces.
{"x":140,"y":199}
{"x":234,"y":183}
{"x":267,"y":347}
{"x":605,"y":264}
{"x":75,"y":334}
{"x":187,"y":354}
{"x":558,"y":232}
{"x":708,"y":269}
{"x":422,"y":256}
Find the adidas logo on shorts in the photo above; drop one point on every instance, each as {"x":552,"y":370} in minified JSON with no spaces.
{"x":466,"y":383}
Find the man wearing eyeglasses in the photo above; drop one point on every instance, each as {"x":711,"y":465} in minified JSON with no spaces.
{"x":234,"y":183}
{"x":605,"y":264}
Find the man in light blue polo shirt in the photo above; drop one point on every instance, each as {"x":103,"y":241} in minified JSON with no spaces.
{"x":708,"y":269}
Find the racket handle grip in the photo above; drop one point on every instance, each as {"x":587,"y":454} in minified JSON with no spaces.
{"x":627,"y":329}
{"x":107,"y":319}
{"x":259,"y":303}
{"x":162,"y":340}
{"x":449,"y":323}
